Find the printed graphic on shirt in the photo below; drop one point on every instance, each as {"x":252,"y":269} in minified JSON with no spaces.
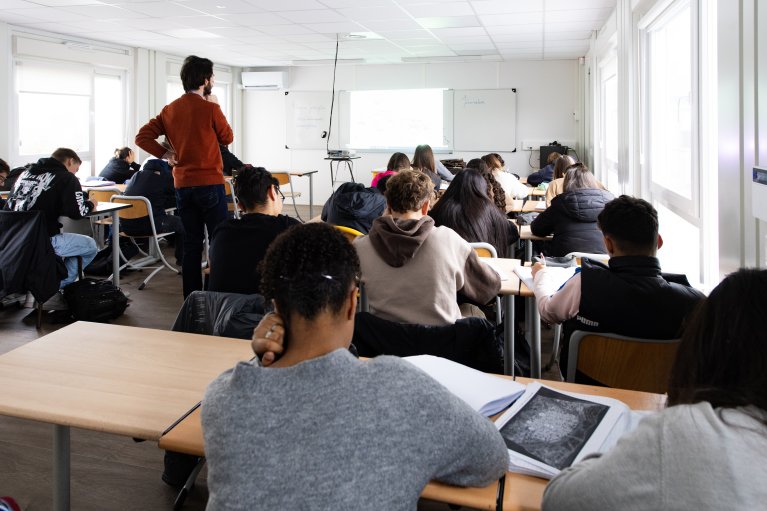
{"x":81,"y":206}
{"x":29,"y":188}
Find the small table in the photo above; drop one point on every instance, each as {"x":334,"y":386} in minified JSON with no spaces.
{"x":302,"y":173}
{"x":518,"y":492}
{"x":135,"y":382}
{"x":111,"y":208}
{"x":348,"y":160}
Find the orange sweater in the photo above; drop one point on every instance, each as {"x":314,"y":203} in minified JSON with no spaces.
{"x":194,"y":127}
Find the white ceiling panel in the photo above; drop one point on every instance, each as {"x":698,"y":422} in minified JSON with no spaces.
{"x":262,"y":32}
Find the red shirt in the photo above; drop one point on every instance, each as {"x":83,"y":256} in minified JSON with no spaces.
{"x":195,"y":128}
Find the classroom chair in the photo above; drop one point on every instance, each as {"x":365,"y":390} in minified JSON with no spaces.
{"x":351,"y":234}
{"x":622,"y":362}
{"x":284,"y":179}
{"x":234,"y":205}
{"x":487,"y":250}
{"x":142,"y":208}
{"x":99,"y":225}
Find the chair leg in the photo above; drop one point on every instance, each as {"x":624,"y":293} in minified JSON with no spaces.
{"x":555,"y":348}
{"x":80,"y":274}
{"x":39,"y":315}
{"x":181,"y":497}
{"x":295,"y":208}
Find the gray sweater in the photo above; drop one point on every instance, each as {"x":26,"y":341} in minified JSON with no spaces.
{"x":686,"y":457}
{"x":338,"y":433}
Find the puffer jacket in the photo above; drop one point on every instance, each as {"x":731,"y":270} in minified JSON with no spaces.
{"x":572,"y":219}
{"x":354,"y":206}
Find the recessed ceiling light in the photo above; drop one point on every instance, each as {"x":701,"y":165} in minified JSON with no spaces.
{"x":354,"y":36}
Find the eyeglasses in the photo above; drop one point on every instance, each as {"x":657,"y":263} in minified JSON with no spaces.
{"x":277,"y":189}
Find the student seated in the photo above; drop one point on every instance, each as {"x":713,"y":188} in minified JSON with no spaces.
{"x":423,"y":160}
{"x":352,"y":205}
{"x":545,"y":174}
{"x":121,"y":167}
{"x":238,"y":245}
{"x":50,"y":186}
{"x":411,"y":269}
{"x":512,"y":188}
{"x":397,"y":162}
{"x":4,"y":171}
{"x":155,"y":182}
{"x":466,"y":208}
{"x":707,"y":450}
{"x":557,"y":185}
{"x":628,"y":297}
{"x":572,"y":217}
{"x":231,"y":162}
{"x":321,"y":429}
{"x":495,"y":191}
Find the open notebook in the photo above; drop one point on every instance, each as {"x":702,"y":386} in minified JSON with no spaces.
{"x":561,"y":275}
{"x":484,"y":392}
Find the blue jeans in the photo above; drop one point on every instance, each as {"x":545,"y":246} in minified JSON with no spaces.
{"x":69,"y":245}
{"x":198,"y":207}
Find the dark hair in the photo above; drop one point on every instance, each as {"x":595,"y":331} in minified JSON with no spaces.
{"x":308,"y":269}
{"x":62,"y":154}
{"x":631,"y":223}
{"x":408,"y":190}
{"x":493,"y":161}
{"x":552,"y":157}
{"x":466,"y":208}
{"x":423,"y":158}
{"x":195,"y":71}
{"x":578,"y":177}
{"x":251,"y":186}
{"x":722,"y":358}
{"x":561,"y":164}
{"x":381,"y":184}
{"x":494,"y":189}
{"x":122,"y":152}
{"x":398,"y":161}
{"x":4,"y":167}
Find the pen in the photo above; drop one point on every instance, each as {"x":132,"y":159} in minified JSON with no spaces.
{"x":543,"y":258}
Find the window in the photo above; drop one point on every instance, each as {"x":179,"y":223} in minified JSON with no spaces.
{"x":55,"y":107}
{"x":608,"y":124}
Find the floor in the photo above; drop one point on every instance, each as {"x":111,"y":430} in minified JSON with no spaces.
{"x":108,"y":472}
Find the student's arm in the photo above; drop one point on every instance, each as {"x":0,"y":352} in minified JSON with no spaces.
{"x":544,"y":223}
{"x":74,"y":200}
{"x":556,"y":304}
{"x":629,"y":473}
{"x":519,"y":190}
{"x":480,"y":282}
{"x":221,"y":127}
{"x":513,"y":233}
{"x":147,"y":136}
{"x":442,"y":171}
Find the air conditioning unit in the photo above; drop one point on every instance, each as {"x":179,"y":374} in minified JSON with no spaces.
{"x":264,"y":80}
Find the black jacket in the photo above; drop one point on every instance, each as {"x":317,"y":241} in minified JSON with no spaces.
{"x":27,"y":260}
{"x":13,"y":176}
{"x":230,"y":161}
{"x":572,"y":219}
{"x":354,"y":206}
{"x":545,"y":175}
{"x":155,"y":182}
{"x":118,"y":170}
{"x":49,"y":187}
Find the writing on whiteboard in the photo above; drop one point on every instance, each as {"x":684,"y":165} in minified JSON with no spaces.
{"x":468,"y":100}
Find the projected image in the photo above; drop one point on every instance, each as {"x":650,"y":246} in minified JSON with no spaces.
{"x":383,"y":119}
{"x":552,"y":427}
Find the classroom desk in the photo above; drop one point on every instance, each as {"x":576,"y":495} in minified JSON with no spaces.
{"x":111,"y":208}
{"x":524,"y":206}
{"x":303,"y":173}
{"x":520,"y":492}
{"x":509,"y":289}
{"x":527,"y":236}
{"x":135,"y":382}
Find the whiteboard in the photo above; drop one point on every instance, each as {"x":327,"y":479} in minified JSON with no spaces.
{"x":485,"y":120}
{"x":307,"y":115}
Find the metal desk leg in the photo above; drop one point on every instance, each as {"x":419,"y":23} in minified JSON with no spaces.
{"x":350,"y":166}
{"x":535,"y":339}
{"x":60,"y":468}
{"x":528,"y":250}
{"x":115,"y":248}
{"x":508,"y":336}
{"x":311,"y":195}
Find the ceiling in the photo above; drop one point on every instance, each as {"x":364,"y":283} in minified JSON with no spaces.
{"x":250,"y":33}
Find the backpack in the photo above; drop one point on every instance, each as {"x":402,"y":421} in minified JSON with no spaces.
{"x":95,"y":300}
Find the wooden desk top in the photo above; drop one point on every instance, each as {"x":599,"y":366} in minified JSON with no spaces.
{"x":103,"y":208}
{"x":129,"y":381}
{"x":510,"y":286}
{"x":525,"y":233}
{"x":520,"y":493}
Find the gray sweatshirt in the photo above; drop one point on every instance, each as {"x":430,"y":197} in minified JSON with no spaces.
{"x":686,"y":457}
{"x":338,"y":433}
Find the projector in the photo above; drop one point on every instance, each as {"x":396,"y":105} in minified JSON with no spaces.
{"x":338,"y":153}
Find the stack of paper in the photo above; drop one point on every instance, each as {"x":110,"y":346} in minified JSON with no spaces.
{"x":561,"y":275}
{"x":484,"y":392}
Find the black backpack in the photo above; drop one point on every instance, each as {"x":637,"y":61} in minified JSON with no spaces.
{"x":95,"y":300}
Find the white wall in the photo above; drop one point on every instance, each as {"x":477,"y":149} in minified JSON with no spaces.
{"x":547,"y":110}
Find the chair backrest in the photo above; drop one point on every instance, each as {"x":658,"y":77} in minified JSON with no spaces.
{"x":103,"y":194}
{"x":233,"y":206}
{"x":622,"y":362}
{"x":602,"y":258}
{"x":351,"y":234}
{"x":282,"y":177}
{"x":484,"y":249}
{"x":141,"y":207}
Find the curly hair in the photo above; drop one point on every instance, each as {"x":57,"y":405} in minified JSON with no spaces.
{"x":251,"y":186}
{"x":308,"y":269}
{"x":494,"y":188}
{"x":408,"y":190}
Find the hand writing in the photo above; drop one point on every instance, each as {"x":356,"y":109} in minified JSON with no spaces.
{"x":268,"y":338}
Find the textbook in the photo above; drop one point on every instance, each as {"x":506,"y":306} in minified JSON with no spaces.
{"x":484,"y":392}
{"x":548,"y":430}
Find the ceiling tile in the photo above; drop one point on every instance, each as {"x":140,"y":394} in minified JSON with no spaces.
{"x":555,"y":35}
{"x":280,"y":30}
{"x":335,"y":28}
{"x":405,"y":35}
{"x":383,"y":12}
{"x":521,"y":18}
{"x":159,"y":9}
{"x":204,"y":22}
{"x":449,"y":21}
{"x":287,"y":5}
{"x":460,"y":32}
{"x":506,"y":6}
{"x":572,"y":5}
{"x":313,"y":16}
{"x":459,"y":8}
{"x":17,"y":4}
{"x":255,"y":19}
{"x":399,"y":24}
{"x":217,"y":7}
{"x":43,"y":14}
